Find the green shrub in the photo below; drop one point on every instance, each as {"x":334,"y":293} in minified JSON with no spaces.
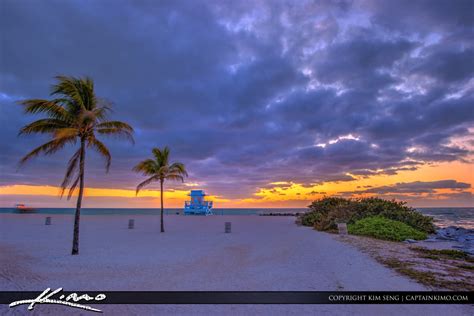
{"x":339,"y":214}
{"x":319,"y":209}
{"x":397,"y":211}
{"x":325,"y":213}
{"x":384,"y":228}
{"x":308,"y":219}
{"x":326,"y":204}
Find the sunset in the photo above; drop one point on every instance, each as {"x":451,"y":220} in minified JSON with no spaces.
{"x":430,"y":185}
{"x":253,"y":146}
{"x":253,"y":100}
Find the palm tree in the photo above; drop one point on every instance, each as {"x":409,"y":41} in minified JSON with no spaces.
{"x":74,"y":115}
{"x":160,"y":169}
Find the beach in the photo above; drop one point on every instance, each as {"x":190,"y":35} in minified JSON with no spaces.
{"x":261,"y":253}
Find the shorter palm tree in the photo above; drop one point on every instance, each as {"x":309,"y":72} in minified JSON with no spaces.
{"x":160,"y":169}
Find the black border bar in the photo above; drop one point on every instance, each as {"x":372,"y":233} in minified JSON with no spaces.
{"x":258,"y":297}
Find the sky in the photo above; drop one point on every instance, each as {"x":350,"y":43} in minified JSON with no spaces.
{"x":268,"y":103}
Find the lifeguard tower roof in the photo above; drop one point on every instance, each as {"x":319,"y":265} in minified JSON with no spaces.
{"x":197,"y":193}
{"x":197,"y":205}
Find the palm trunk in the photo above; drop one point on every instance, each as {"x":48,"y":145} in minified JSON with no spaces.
{"x":161,"y":195}
{"x":75,"y":239}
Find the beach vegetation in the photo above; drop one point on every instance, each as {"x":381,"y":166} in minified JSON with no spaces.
{"x":320,"y":210}
{"x":395,"y":210}
{"x":446,"y":253}
{"x":158,"y":169}
{"x":384,"y":228}
{"x":73,"y":116}
{"x":432,"y":257}
{"x":325,"y":213}
{"x":466,"y":266}
{"x":431,"y":278}
{"x":310,"y":218}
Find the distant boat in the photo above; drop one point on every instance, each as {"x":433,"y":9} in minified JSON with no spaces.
{"x":197,"y":205}
{"x":22,"y":208}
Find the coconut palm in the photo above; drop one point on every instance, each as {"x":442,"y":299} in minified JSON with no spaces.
{"x":160,"y":169}
{"x":73,"y":115}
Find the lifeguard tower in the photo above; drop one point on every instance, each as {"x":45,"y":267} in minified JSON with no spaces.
{"x":197,"y":205}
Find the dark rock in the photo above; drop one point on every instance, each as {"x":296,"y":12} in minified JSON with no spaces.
{"x":443,"y":238}
{"x":455,"y":233}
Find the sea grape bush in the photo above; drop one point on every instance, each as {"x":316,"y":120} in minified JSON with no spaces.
{"x":325,"y":213}
{"x":383,"y":228}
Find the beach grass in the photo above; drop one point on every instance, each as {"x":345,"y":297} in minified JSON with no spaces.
{"x":439,"y":269}
{"x":466,"y":266}
{"x":446,"y":253}
{"x":430,"y":278}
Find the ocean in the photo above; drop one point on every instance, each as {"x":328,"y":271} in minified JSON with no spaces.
{"x":443,"y":217}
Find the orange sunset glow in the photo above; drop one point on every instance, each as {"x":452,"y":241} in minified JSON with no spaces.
{"x":268,"y":111}
{"x":276,"y":194}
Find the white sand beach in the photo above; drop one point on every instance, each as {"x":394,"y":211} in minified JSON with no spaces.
{"x":261,"y":253}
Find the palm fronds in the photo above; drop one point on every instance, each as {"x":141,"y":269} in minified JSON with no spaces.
{"x":43,"y":126}
{"x":102,"y":150}
{"x":146,"y":182}
{"x":147,"y":167}
{"x":76,"y":113}
{"x":48,"y":148}
{"x":73,"y":187}
{"x":159,"y":170}
{"x":115,"y":128}
{"x":159,"y":166}
{"x":72,"y":167}
{"x":51,"y":108}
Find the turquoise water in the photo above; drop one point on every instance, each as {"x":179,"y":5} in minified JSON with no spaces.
{"x":453,"y":216}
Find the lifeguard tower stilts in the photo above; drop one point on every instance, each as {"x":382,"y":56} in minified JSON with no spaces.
{"x":197,"y":205}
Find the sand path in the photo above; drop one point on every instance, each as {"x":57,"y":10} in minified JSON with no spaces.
{"x":261,"y":253}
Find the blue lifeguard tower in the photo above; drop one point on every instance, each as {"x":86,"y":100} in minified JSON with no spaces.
{"x":197,"y":205}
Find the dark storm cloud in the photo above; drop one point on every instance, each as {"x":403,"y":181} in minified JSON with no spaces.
{"x":445,"y":64}
{"x":422,"y":15}
{"x":417,"y":187}
{"x":356,"y":62}
{"x":243,"y":92}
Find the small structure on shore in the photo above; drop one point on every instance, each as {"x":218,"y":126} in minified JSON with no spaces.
{"x":197,"y":205}
{"x":342,"y":227}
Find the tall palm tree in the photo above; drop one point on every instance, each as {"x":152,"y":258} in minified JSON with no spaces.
{"x":73,"y":115}
{"x":160,"y":169}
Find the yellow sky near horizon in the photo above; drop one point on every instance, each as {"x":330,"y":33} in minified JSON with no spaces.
{"x":277,"y":194}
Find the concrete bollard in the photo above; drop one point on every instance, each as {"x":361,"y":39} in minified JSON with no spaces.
{"x":228,"y":227}
{"x":131,"y":224}
{"x":342,"y":227}
{"x":47,"y":221}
